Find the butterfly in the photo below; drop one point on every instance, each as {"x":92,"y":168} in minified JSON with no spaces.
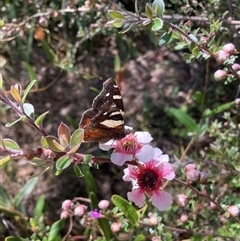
{"x":105,"y":120}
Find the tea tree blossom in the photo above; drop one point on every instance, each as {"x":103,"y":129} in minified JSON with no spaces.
{"x":147,"y":179}
{"x":132,"y":147}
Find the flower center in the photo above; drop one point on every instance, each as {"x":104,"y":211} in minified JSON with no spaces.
{"x":149,"y":181}
{"x":129,"y":144}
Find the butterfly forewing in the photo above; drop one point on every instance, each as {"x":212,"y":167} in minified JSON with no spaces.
{"x":105,"y":120}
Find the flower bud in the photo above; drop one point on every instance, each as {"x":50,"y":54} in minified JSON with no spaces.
{"x":213,"y":205}
{"x":230,"y":48}
{"x":153,"y":220}
{"x":189,"y":167}
{"x":64,"y":214}
{"x":236,"y":67}
{"x":103,"y":204}
{"x":192,"y":175}
{"x":233,"y":211}
{"x":221,"y":56}
{"x":220,"y":75}
{"x":79,"y":210}
{"x":182,"y":200}
{"x":67,"y":204}
{"x":237,"y":102}
{"x":203,"y":177}
{"x":184,"y":218}
{"x":115,"y":227}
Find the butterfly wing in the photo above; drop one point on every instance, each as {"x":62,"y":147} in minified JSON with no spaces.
{"x":105,"y":120}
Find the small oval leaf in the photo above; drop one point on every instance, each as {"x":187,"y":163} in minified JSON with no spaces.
{"x":63,"y":162}
{"x":157,"y":24}
{"x":128,"y":210}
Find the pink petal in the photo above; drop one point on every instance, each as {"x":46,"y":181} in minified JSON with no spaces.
{"x":167,"y":171}
{"x":145,"y":154}
{"x":120,"y":158}
{"x":137,"y":197}
{"x":157,"y":153}
{"x":161,"y":200}
{"x":108,"y":145}
{"x":143,"y":136}
{"x":126,"y":176}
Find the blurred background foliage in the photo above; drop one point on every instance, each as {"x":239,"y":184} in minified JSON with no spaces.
{"x":68,"y":47}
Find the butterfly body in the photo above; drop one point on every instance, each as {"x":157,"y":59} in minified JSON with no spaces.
{"x":105,"y":120}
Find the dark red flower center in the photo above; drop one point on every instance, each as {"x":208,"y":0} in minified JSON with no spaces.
{"x":149,"y":181}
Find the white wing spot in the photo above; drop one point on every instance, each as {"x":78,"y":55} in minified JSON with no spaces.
{"x":107,"y":94}
{"x":117,"y":97}
{"x":112,"y":123}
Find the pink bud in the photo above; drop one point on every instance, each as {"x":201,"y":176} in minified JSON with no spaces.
{"x":184,"y":218}
{"x":192,"y":175}
{"x":237,"y":102}
{"x":230,"y":48}
{"x":64,"y":214}
{"x":233,"y":211}
{"x":115,"y":227}
{"x":221,"y":56}
{"x":182,"y":200}
{"x":67,"y":204}
{"x":153,"y":220}
{"x":189,"y":167}
{"x":79,"y":210}
{"x":236,"y":67}
{"x":213,"y":205}
{"x":220,"y":75}
{"x":103,"y":204}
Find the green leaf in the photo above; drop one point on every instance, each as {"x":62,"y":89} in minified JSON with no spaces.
{"x":48,"y":51}
{"x":78,"y":171}
{"x":63,"y":162}
{"x":148,"y":11}
{"x":12,"y":238}
{"x":219,"y":109}
{"x":32,"y":74}
{"x":11,"y":123}
{"x":40,"y":118}
{"x":4,"y":199}
{"x":117,"y":23}
{"x":91,"y":185}
{"x":158,"y":7}
{"x":25,"y":190}
{"x":29,"y":87}
{"x":11,"y":144}
{"x":140,"y":237}
{"x":29,"y":110}
{"x":183,"y":118}
{"x":164,"y":39}
{"x":4,"y":160}
{"x":55,"y":231}
{"x":157,"y":24}
{"x":76,"y":138}
{"x":54,"y":144}
{"x":128,"y":210}
{"x":38,"y":210}
{"x":116,"y":14}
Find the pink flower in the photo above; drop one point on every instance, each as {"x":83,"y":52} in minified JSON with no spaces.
{"x":147,"y":179}
{"x":131,"y":147}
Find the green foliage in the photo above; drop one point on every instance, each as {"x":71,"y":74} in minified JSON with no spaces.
{"x":61,"y":32}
